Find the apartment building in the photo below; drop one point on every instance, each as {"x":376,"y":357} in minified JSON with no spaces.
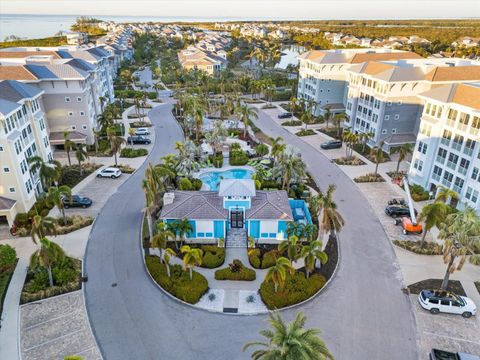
{"x":447,"y":151}
{"x":23,"y":134}
{"x":323,"y":73}
{"x":194,"y":58}
{"x":69,"y":97}
{"x":383,"y":100}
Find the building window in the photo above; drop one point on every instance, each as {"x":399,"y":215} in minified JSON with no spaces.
{"x":394,"y":131}
{"x":12,"y":189}
{"x":84,"y":127}
{"x":387,"y":117}
{"x":422,"y":147}
{"x":6,"y":169}
{"x":67,"y":99}
{"x":397,"y":116}
{"x":418,"y":164}
{"x":1,"y":148}
{"x":437,"y":173}
{"x":82,"y":113}
{"x":475,"y":173}
{"x":384,"y":131}
{"x":79,"y":99}
{"x":74,"y":127}
{"x":472,"y":195}
{"x":70,"y":113}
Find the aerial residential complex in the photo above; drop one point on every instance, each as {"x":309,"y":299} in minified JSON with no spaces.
{"x":23,"y":134}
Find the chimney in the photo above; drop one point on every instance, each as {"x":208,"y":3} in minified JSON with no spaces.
{"x":168,"y":198}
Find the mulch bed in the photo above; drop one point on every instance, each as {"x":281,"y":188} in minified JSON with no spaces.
{"x":453,"y":285}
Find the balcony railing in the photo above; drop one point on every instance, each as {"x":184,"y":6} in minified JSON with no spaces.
{"x":456,"y":146}
{"x":468,"y":151}
{"x":451,"y":165}
{"x":446,"y":182}
{"x":440,"y":159}
{"x":445,"y":141}
{"x":457,"y":189}
{"x":462,"y":170}
{"x":436,"y":177}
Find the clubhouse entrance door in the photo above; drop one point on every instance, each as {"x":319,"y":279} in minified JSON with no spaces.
{"x":236,"y":219}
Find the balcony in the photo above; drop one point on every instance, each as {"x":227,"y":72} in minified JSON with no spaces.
{"x":451,"y":165}
{"x":456,"y":146}
{"x":440,"y":159}
{"x":445,"y":141}
{"x":457,"y":189}
{"x":468,"y":151}
{"x":446,"y":182}
{"x":436,"y":177}
{"x":462,"y":170}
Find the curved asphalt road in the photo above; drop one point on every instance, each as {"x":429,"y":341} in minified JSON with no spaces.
{"x":363,"y":313}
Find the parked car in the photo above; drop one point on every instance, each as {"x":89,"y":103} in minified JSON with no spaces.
{"x":142,"y":131}
{"x":447,"y":355}
{"x":138,"y":139}
{"x":331,"y":144}
{"x":285,"y":115}
{"x":77,"y":201}
{"x":398,"y":210}
{"x":437,"y":301}
{"x":397,"y":201}
{"x":109,"y":172}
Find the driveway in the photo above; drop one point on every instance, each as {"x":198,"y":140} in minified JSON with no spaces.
{"x":363,"y":313}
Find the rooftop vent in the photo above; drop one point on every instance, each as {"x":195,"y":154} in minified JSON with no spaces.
{"x":168,"y":198}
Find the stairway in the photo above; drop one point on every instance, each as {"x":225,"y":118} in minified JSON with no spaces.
{"x":236,"y":238}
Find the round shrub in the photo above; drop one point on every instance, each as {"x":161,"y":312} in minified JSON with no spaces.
{"x":196,"y":184}
{"x":269,"y":259}
{"x":213,"y":256}
{"x":262,"y":149}
{"x":184,"y":184}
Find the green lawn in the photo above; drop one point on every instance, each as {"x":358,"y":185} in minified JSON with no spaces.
{"x":4,"y":281}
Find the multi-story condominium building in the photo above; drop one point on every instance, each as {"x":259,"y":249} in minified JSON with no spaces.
{"x":69,"y":97}
{"x":193,"y":58}
{"x":323,"y":73}
{"x":382,"y":96}
{"x":447,"y":148}
{"x":23,"y":134}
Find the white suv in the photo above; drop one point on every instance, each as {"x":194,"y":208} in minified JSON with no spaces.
{"x":142,"y":131}
{"x":109,"y":172}
{"x":442,"y":301}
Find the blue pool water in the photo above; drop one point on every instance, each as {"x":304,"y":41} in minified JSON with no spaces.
{"x":212,"y":179}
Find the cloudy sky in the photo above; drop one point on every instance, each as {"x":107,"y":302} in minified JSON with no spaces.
{"x":250,"y":9}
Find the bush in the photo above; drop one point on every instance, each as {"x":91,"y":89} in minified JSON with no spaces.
{"x":270,"y":184}
{"x":238,"y":157}
{"x":351,"y":161}
{"x":369,"y":178}
{"x":213,"y":256}
{"x":304,"y":132}
{"x":140,"y":124}
{"x":184,"y":184}
{"x":269,"y":259}
{"x":74,"y":223}
{"x":196,"y":184}
{"x":292,"y":123}
{"x":71,"y":174}
{"x":235,"y":271}
{"x":297,"y":289}
{"x":132,"y":153}
{"x":419,"y":193}
{"x":262,"y":149}
{"x":64,"y":275}
{"x":179,"y":283}
{"x":126,"y":169}
{"x":135,"y":93}
{"x":282,"y":95}
{"x":429,"y":248}
{"x":8,"y":258}
{"x":216,"y":160}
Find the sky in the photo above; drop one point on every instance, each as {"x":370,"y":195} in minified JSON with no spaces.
{"x":252,"y":9}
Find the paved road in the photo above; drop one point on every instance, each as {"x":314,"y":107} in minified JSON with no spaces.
{"x":363,"y":314}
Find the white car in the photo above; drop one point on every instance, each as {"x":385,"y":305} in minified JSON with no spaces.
{"x":437,"y":301}
{"x":109,"y":172}
{"x":142,"y":131}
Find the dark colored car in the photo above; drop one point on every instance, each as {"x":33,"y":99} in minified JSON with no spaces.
{"x":397,"y":201}
{"x":286,"y":115}
{"x":77,"y":201}
{"x":398,"y":210}
{"x":331,"y":144}
{"x":138,"y":139}
{"x":447,"y":355}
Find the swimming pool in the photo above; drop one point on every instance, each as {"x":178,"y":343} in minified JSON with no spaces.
{"x":212,"y":178}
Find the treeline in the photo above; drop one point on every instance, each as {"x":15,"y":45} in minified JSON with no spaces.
{"x":50,"y":41}
{"x":88,"y":25}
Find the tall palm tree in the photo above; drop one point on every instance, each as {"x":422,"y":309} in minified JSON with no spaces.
{"x":81,"y":154}
{"x":47,"y":256}
{"x":290,"y":342}
{"x":364,"y":138}
{"x":460,"y":235}
{"x":49,"y":171}
{"x":160,"y":239}
{"x":311,"y":253}
{"x":244,"y":114}
{"x":446,"y":195}
{"x":153,"y":187}
{"x":191,"y":257}
{"x":96,"y":135}
{"x":105,"y":120}
{"x":197,"y":108}
{"x":432,"y":215}
{"x":327,"y":115}
{"x":278,"y":147}
{"x":331,"y":221}
{"x":403,"y":151}
{"x":292,"y":246}
{"x":167,"y":255}
{"x":338,"y":119}
{"x":56,"y":196}
{"x":295,"y":228}
{"x":166,"y":169}
{"x":278,"y":272}
{"x":115,"y":141}
{"x":290,"y":168}
{"x":131,"y":133}
{"x":184,"y":227}
{"x":67,"y":145}
{"x":40,"y":226}
{"x":378,"y":156}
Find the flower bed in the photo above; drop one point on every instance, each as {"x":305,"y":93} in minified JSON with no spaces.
{"x":429,"y":248}
{"x":179,"y":283}
{"x":394,"y":174}
{"x":332,"y":132}
{"x":235,"y":271}
{"x":126,"y":169}
{"x":368,"y":178}
{"x":297,"y":288}
{"x":292,"y":123}
{"x":140,"y":124}
{"x":453,"y":285}
{"x":133,"y":153}
{"x":351,"y":161}
{"x":66,"y":277}
{"x":74,"y":222}
{"x":263,"y":257}
{"x":304,"y":132}
{"x":71,"y":174}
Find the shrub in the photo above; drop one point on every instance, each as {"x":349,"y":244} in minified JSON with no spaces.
{"x":292,"y":123}
{"x":71,"y":174}
{"x":184,"y":184}
{"x":297,"y":289}
{"x":213,"y":256}
{"x":132,"y":153}
{"x":304,"y":132}
{"x":269,"y":259}
{"x":429,"y":248}
{"x":351,"y":160}
{"x":238,"y":157}
{"x":254,"y":258}
{"x":369,"y":178}
{"x":235,"y":271}
{"x":8,"y":258}
{"x":64,"y":275}
{"x":261,"y":149}
{"x":216,"y":160}
{"x":179,"y":283}
{"x":196,"y":184}
{"x":22,"y":220}
{"x":74,"y":222}
{"x":270,"y":184}
{"x":140,"y":124}
{"x":419,"y":193}
{"x":126,"y":169}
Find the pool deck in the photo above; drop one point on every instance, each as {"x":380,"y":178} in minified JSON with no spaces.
{"x":203,"y":171}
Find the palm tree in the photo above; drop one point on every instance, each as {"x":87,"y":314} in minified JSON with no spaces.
{"x":152,"y":186}
{"x":460,"y":235}
{"x":338,"y":119}
{"x":131,"y":133}
{"x":295,"y":228}
{"x":324,"y":206}
{"x":445,"y":194}
{"x":40,"y":226}
{"x":184,"y":227}
{"x":56,"y":196}
{"x":364,"y":138}
{"x":403,"y":151}
{"x":81,"y":154}
{"x":278,"y":272}
{"x":327,"y":115}
{"x":157,"y":86}
{"x":292,"y":246}
{"x":166,"y":169}
{"x":49,"y":171}
{"x":167,"y":255}
{"x":432,"y":215}
{"x":96,"y":134}
{"x":377,"y":155}
{"x":160,"y":239}
{"x":191,"y":257}
{"x":105,"y":120}
{"x":311,"y":253}
{"x":48,"y":254}
{"x":245,"y":113}
{"x":197,"y":108}
{"x":290,"y":342}
{"x":290,"y":168}
{"x":115,"y":141}
{"x":278,"y":147}
{"x":310,"y":232}
{"x":67,"y":145}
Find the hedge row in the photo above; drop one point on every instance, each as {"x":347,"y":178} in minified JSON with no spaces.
{"x":135,"y":94}
{"x":133,"y":153}
{"x":213,"y":256}
{"x":179,"y":283}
